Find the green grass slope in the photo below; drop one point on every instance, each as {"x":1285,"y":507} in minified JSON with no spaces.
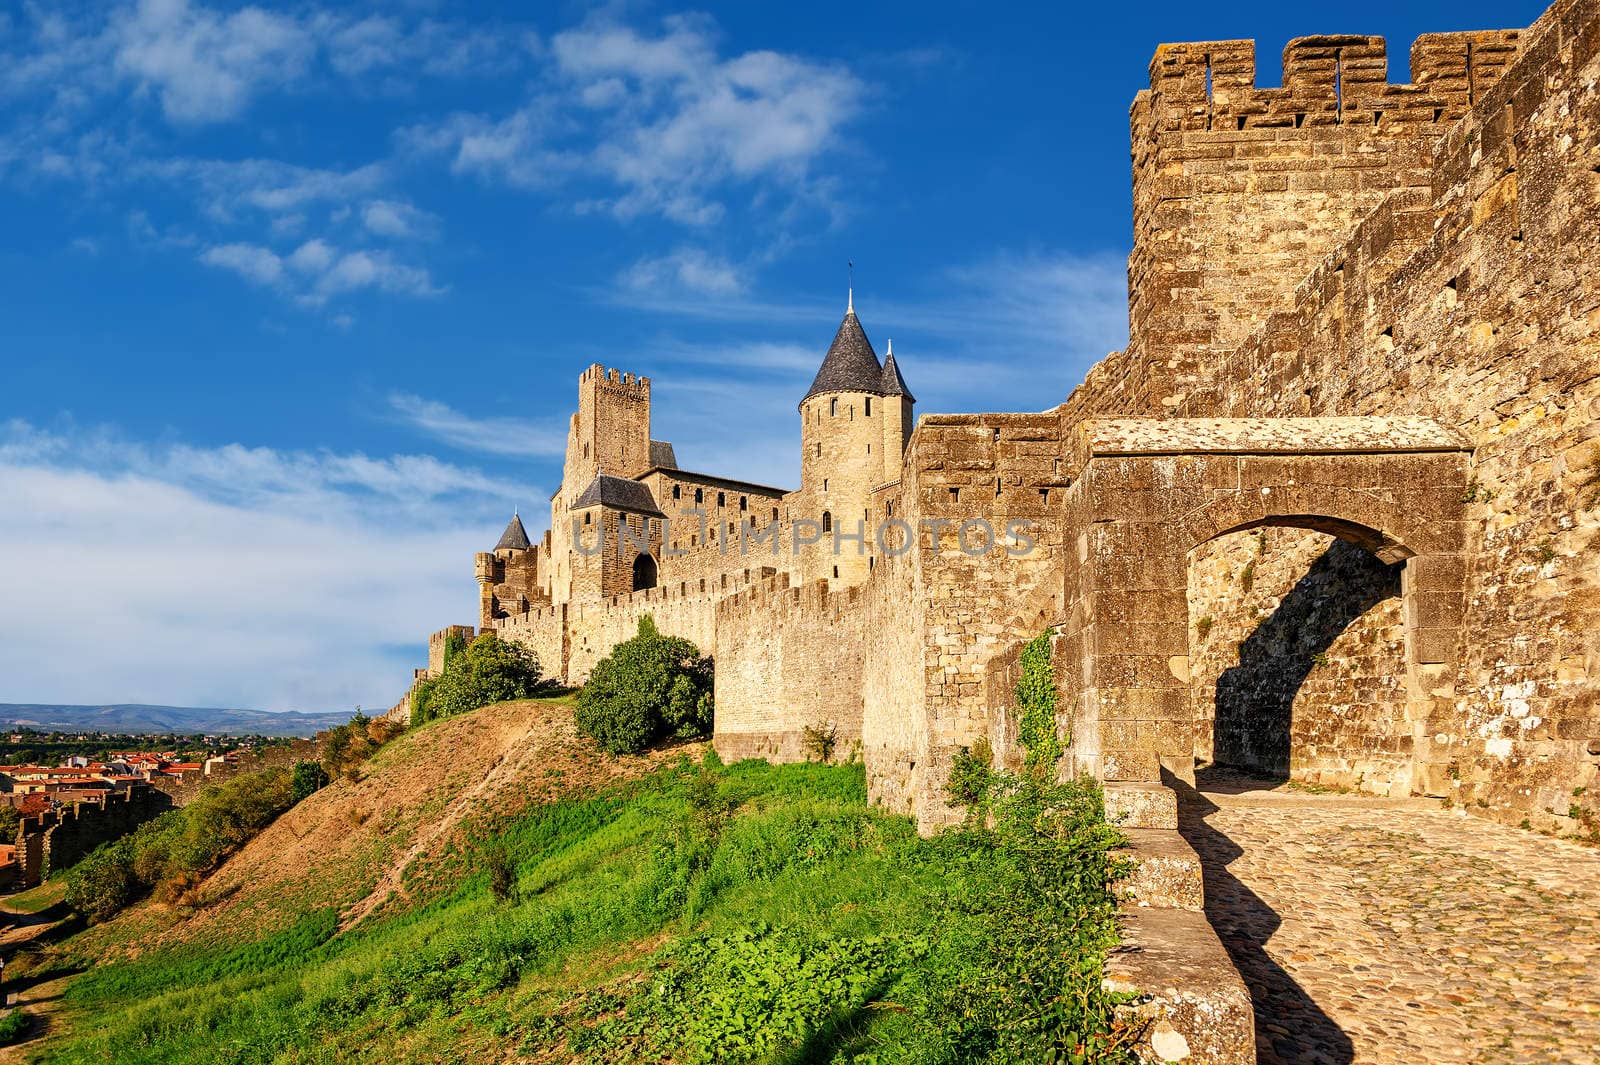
{"x":697,"y":913}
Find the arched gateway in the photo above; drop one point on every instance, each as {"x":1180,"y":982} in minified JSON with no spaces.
{"x":1148,"y":491}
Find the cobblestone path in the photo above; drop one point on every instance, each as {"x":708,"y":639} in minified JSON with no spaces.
{"x":1377,"y":930}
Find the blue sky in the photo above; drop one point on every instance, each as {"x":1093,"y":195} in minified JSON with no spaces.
{"x":293,"y":298}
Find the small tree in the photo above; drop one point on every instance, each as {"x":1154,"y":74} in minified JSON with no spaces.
{"x":650,"y":688}
{"x":10,"y":823}
{"x":308,"y":777}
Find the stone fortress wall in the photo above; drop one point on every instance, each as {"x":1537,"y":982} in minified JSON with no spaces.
{"x":1339,"y":248}
{"x":1474,"y":301}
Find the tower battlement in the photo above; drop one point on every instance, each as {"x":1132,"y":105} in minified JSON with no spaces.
{"x":615,"y":379}
{"x":1328,"y":80}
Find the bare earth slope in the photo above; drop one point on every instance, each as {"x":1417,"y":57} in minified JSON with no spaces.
{"x":350,"y":845}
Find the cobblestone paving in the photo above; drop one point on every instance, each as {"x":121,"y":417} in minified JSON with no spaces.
{"x":1375,"y":930}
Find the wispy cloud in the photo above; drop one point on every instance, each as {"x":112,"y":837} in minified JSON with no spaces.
{"x":231,"y":575}
{"x":671,"y":123}
{"x":686,"y":271}
{"x":398,"y":219}
{"x":315,"y":272}
{"x":203,"y":65}
{"x":489,"y":436}
{"x":114,"y":100}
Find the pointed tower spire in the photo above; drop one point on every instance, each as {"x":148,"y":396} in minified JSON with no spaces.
{"x":893,"y":383}
{"x":515,"y":538}
{"x":850,"y":302}
{"x":850,"y":365}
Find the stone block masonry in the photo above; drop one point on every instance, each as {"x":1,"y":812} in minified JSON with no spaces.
{"x":1475,"y":302}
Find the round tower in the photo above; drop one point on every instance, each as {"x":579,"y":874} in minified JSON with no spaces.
{"x":853,"y":424}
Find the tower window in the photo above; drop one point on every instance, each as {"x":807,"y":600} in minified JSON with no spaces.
{"x":827,"y":524}
{"x":588,"y":519}
{"x":699,"y":495}
{"x":836,"y":573}
{"x":819,"y":449}
{"x":774,"y":513}
{"x":833,"y":408}
{"x":869,"y":406}
{"x":824,"y":484}
{"x":744,"y":502}
{"x":722,"y":499}
{"x":677,"y":491}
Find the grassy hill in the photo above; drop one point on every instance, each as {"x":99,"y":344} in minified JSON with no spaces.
{"x":497,"y":889}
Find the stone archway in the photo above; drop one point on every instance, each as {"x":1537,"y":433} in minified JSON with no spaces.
{"x":644,"y":571}
{"x":1147,"y":491}
{"x":1296,"y":660}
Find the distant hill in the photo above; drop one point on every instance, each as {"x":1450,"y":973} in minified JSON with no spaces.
{"x":136,"y":717}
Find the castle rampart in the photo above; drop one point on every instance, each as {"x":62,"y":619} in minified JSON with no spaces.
{"x":1239,"y":191}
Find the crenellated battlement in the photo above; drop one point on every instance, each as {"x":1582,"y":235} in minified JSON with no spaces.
{"x":1328,"y":80}
{"x":616,"y":379}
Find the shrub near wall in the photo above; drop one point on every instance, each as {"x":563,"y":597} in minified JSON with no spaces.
{"x":650,"y":688}
{"x":489,"y":670}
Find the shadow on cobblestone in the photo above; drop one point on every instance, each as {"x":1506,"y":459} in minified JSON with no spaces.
{"x":1291,"y":1029}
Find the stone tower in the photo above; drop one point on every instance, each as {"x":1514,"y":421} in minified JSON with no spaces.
{"x":854,"y":422}
{"x":610,"y":434}
{"x":508,"y":577}
{"x":1240,"y":191}
{"x":612,"y":426}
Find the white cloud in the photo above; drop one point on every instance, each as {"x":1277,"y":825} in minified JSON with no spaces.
{"x":665,"y":119}
{"x":372,"y":269}
{"x":689,"y":271}
{"x":312,"y":257}
{"x":318,"y":271}
{"x":396,"y":219}
{"x":491,"y":436}
{"x":249,"y":261}
{"x":379,"y":43}
{"x":229,"y":189}
{"x":206,"y":66}
{"x":230,"y":576}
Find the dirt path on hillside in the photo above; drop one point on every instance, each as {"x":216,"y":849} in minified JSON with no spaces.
{"x":40,"y":1000}
{"x":392,"y":882}
{"x":544,"y":754}
{"x":1391,"y":932}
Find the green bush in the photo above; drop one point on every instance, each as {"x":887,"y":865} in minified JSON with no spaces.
{"x":307,"y":778}
{"x":13,"y":1026}
{"x":489,"y":670}
{"x":971,"y":774}
{"x":652,"y":687}
{"x":170,"y":854}
{"x":10,"y":823}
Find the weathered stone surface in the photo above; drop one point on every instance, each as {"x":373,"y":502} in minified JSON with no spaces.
{"x":1166,"y":871}
{"x":1193,"y":997}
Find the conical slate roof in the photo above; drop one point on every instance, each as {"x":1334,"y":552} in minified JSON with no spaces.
{"x":850,"y":365}
{"x":893,"y":383}
{"x":515,"y":538}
